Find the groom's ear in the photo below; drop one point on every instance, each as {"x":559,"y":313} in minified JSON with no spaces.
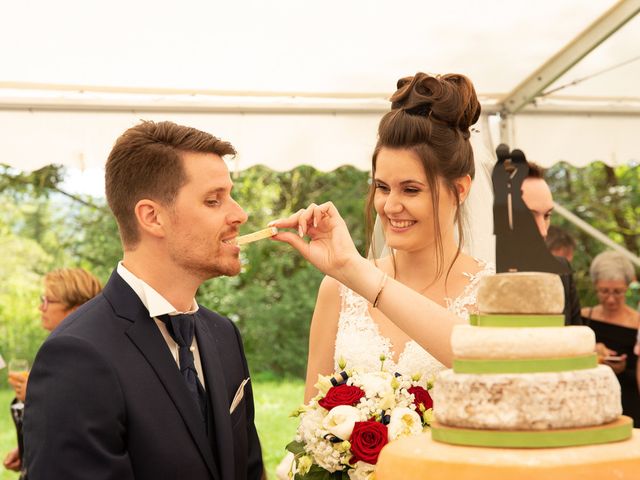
{"x":463,"y":185}
{"x":150,"y":216}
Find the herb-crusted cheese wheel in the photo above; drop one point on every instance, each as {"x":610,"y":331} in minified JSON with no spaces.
{"x":527,"y":401}
{"x":521,"y":293}
{"x":524,"y":342}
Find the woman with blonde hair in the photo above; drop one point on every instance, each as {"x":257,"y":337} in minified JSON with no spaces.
{"x":65,"y":289}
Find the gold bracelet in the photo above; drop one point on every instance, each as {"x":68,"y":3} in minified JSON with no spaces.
{"x":382,"y":284}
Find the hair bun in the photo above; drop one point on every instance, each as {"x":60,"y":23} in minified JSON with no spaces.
{"x":450,"y":99}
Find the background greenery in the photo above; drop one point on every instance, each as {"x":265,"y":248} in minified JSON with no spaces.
{"x":43,"y":227}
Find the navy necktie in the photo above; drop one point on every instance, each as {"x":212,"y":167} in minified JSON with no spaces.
{"x":182,"y":330}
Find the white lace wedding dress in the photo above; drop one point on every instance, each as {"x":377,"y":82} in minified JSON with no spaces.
{"x":360,"y":345}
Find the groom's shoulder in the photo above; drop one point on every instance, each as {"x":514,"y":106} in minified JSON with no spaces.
{"x":90,"y":317}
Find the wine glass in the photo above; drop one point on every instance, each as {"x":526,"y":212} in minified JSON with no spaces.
{"x":19,"y":366}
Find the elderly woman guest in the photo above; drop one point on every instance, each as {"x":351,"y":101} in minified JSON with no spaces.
{"x":65,"y":290}
{"x":616,"y":324}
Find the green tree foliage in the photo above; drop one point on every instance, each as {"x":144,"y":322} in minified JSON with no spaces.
{"x":272,"y":300}
{"x":43,"y":227}
{"x":608,"y":199}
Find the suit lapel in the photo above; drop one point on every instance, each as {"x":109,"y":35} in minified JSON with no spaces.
{"x":217,"y":394}
{"x":145,"y":335}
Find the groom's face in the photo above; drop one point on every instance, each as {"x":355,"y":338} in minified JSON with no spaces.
{"x":204,"y":219}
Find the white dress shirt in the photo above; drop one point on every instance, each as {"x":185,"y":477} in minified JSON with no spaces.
{"x":158,"y":305}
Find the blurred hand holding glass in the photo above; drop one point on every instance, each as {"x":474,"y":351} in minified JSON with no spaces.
{"x":18,"y":374}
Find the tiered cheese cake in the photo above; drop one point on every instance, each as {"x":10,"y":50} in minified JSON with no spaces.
{"x":522,"y":386}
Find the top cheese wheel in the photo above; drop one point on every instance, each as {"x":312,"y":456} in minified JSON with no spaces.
{"x":521,"y":292}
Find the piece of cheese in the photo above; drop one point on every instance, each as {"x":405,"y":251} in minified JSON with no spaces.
{"x":534,"y":342}
{"x":255,"y":236}
{"x":417,"y":458}
{"x":521,"y":292}
{"x":527,"y":401}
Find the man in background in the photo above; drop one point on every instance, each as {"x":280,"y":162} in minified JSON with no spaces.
{"x":560,"y":243}
{"x":536,"y":195}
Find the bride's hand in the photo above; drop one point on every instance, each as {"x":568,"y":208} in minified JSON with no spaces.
{"x":330,"y":248}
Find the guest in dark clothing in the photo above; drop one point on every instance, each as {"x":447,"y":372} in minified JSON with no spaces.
{"x":560,"y":243}
{"x":65,"y":290}
{"x":616,"y":325}
{"x":537,"y":197}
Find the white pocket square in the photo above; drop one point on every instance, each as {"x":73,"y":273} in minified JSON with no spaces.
{"x":237,"y":398}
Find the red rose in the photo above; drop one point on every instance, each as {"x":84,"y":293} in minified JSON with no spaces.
{"x":341,"y":395}
{"x":367,"y":439}
{"x":421,"y":396}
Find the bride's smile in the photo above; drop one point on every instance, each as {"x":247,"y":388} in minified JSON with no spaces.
{"x":405,"y":204}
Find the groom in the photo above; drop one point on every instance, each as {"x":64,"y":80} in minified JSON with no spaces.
{"x":142,"y":382}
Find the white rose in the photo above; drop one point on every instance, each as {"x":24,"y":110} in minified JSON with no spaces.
{"x":340,"y":421}
{"x":376,"y":384}
{"x":404,"y":421}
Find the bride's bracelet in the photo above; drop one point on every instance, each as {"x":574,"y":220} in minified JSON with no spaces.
{"x":382,"y":284}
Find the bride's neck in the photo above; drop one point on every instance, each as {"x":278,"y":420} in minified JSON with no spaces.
{"x":420,"y":267}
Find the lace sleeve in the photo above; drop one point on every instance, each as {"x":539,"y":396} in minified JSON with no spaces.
{"x":466,"y":303}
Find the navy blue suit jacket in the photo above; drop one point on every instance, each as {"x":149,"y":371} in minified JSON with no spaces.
{"x":106,"y":400}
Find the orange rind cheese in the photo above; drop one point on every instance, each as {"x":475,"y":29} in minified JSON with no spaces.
{"x":419,"y":457}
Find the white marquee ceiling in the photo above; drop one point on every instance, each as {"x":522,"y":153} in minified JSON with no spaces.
{"x":291,"y":82}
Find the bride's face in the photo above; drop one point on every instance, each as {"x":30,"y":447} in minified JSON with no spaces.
{"x":403,"y":201}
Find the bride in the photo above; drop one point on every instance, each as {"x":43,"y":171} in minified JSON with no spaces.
{"x":422,"y":170}
{"x":421,"y":175}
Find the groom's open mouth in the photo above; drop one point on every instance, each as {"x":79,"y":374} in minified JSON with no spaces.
{"x":231,"y":241}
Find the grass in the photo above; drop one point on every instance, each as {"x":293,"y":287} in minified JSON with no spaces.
{"x":274,"y":398}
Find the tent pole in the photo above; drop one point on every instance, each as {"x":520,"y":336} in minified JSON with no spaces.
{"x":506,"y":129}
{"x":597,"y":234}
{"x":601,"y":29}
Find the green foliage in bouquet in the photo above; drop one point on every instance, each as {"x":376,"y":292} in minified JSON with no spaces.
{"x":315,"y":472}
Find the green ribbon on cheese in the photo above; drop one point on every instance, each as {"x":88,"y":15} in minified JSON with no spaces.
{"x":525,"y":365}
{"x":615,"y":431}
{"x":517,"y":320}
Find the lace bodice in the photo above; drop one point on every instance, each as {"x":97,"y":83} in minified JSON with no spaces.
{"x":360,"y":345}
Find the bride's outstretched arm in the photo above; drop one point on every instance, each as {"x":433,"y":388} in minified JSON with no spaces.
{"x":332,"y":251}
{"x":322,"y":336}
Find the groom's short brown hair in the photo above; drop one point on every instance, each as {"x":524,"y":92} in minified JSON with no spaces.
{"x":146,"y":162}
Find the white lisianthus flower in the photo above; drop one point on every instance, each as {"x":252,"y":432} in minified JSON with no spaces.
{"x":404,"y":421}
{"x":340,"y":421}
{"x":387,"y":402}
{"x":362,"y":471}
{"x":376,"y":384}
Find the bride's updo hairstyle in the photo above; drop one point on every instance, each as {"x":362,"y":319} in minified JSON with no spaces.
{"x":431,"y":117}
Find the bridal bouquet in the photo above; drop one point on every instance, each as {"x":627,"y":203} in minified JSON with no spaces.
{"x":343,"y":429}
